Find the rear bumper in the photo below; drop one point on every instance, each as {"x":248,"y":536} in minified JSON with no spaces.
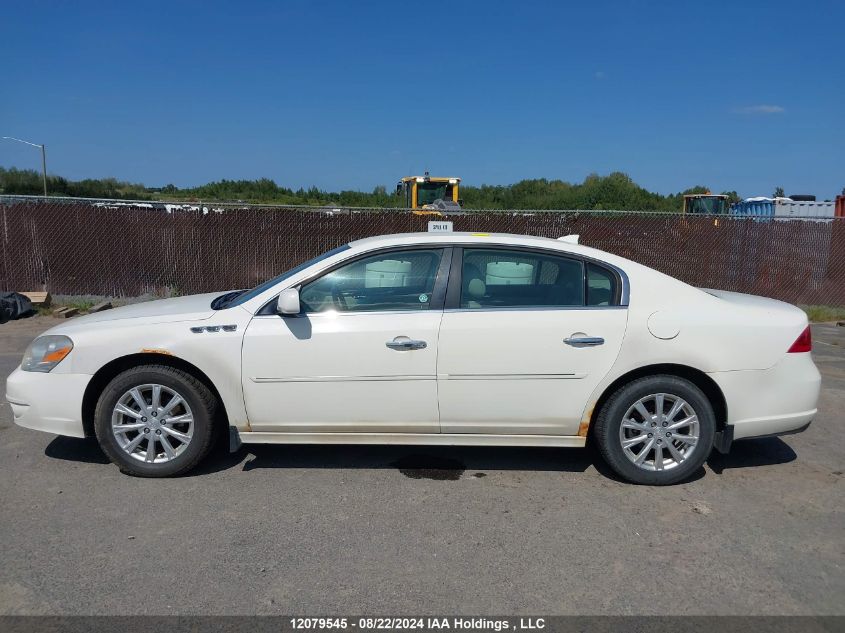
{"x":774,"y":425}
{"x":47,"y":402}
{"x":776,"y":401}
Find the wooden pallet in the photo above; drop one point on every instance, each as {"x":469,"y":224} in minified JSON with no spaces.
{"x":66,"y":312}
{"x":42,"y":299}
{"x":105,"y":305}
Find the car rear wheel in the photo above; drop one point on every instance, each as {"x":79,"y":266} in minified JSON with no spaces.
{"x":155,"y":421}
{"x":656,"y":430}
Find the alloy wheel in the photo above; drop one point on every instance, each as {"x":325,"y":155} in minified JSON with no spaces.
{"x":152,"y":423}
{"x":659,"y":432}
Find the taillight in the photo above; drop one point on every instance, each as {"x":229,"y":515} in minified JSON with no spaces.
{"x":804,"y":342}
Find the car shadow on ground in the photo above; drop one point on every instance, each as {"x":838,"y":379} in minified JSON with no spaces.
{"x":76,"y":449}
{"x":447,"y":463}
{"x":416,"y":462}
{"x":765,"y":451}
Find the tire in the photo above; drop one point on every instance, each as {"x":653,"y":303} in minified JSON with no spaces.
{"x":188,"y":442}
{"x":678,"y":464}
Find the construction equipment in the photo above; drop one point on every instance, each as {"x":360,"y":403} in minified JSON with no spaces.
{"x":706,"y":204}
{"x":429,"y":193}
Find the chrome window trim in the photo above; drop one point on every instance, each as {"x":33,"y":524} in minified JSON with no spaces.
{"x":336,"y":313}
{"x":536,"y":308}
{"x":624,"y":295}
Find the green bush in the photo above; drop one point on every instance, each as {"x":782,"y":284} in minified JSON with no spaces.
{"x":614,"y":191}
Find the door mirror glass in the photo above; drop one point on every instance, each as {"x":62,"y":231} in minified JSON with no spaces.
{"x":288,"y":302}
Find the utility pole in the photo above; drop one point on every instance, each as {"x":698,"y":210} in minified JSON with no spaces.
{"x":44,"y":168}
{"x":43,"y":159}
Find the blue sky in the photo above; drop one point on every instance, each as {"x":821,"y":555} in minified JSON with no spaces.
{"x":733,"y":95}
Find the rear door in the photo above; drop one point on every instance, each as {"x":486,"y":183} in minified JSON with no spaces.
{"x":525,"y":338}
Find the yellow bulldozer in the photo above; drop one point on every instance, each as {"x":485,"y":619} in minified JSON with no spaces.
{"x":429,"y":194}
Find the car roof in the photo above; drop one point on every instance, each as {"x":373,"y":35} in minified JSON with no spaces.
{"x":475,"y":238}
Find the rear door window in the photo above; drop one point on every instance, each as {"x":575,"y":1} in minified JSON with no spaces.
{"x":510,"y":278}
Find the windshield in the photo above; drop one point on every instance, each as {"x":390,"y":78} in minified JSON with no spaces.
{"x":708,"y":206}
{"x":250,"y":294}
{"x":428,"y":192}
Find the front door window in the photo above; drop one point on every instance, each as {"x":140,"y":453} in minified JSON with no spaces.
{"x":396,"y":280}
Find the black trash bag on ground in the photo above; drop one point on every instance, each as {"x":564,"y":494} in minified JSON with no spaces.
{"x":13,"y":305}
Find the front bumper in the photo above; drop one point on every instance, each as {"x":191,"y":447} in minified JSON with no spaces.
{"x":775,"y":401}
{"x":50,"y":402}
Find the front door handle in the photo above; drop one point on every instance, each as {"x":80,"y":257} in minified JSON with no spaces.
{"x":402,"y":343}
{"x":584,"y":341}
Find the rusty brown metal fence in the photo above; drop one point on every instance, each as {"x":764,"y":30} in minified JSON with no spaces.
{"x":84,"y":247}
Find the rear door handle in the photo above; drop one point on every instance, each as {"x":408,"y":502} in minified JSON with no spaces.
{"x":402,"y":343}
{"x":584,"y":341}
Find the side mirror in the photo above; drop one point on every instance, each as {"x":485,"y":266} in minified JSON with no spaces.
{"x":288,"y":302}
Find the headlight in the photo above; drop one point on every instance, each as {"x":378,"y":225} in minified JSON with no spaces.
{"x":46,"y":352}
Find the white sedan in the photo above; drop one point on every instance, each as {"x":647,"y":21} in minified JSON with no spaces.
{"x":436,"y":338}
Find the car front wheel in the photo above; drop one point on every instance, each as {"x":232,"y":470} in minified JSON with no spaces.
{"x":155,"y":421}
{"x":656,"y":430}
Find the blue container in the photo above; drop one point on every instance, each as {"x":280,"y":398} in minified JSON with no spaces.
{"x":754,"y":208}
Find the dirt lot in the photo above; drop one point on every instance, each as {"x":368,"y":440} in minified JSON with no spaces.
{"x":384,"y":530}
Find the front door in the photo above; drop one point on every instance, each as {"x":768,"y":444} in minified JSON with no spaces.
{"x":530,"y":339}
{"x":361,"y":357}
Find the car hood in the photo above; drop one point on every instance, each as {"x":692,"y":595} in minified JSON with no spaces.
{"x":189,"y":308}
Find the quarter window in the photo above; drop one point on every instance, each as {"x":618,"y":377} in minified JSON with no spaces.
{"x":601,"y":286}
{"x":397,"y":280}
{"x":509,"y":278}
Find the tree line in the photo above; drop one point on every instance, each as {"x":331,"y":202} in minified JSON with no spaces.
{"x":614,"y":191}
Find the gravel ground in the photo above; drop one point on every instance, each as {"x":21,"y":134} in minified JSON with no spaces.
{"x":390,"y":530}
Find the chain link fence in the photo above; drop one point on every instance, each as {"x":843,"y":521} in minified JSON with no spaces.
{"x":121,"y":249}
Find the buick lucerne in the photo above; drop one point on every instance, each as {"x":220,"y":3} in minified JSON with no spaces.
{"x":435,"y":338}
